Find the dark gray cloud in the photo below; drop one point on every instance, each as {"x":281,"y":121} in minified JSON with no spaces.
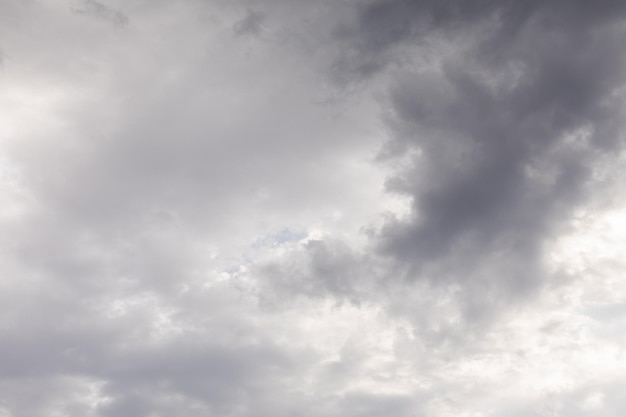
{"x":506,"y":129}
{"x":505,"y":112}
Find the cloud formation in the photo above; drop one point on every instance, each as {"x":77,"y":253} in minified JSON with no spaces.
{"x":313,"y":208}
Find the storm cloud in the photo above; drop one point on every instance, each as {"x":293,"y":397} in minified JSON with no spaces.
{"x":505,"y":132}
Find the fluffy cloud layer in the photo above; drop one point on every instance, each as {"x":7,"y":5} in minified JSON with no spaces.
{"x":313,"y":208}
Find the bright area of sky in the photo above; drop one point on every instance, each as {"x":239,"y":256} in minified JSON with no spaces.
{"x":316,"y":208}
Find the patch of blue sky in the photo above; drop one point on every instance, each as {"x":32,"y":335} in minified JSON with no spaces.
{"x":282,"y":237}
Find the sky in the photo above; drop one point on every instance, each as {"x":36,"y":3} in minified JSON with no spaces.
{"x":312,"y":208}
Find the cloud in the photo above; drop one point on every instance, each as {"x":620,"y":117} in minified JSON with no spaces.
{"x":506,"y":131}
{"x":311,"y":208}
{"x":251,"y":24}
{"x":94,"y":8}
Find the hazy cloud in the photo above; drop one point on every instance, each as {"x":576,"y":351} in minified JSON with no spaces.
{"x":94,"y":8}
{"x":251,"y":24}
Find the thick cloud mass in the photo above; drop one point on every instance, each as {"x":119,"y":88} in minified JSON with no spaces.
{"x":507,"y":129}
{"x":312,"y":208}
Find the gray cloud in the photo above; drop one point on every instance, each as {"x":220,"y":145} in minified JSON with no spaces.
{"x":506,"y":111}
{"x":185,"y":230}
{"x":507,"y":132}
{"x":251,"y":24}
{"x":94,"y":8}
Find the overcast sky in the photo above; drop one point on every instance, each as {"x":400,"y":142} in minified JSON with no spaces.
{"x":312,"y":208}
